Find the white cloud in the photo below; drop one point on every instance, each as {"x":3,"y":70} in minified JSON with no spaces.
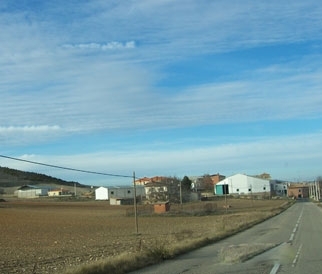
{"x":114,"y":96}
{"x":17,"y":136}
{"x":284,"y":157}
{"x":107,"y":46}
{"x":33,"y":129}
{"x":48,"y":91}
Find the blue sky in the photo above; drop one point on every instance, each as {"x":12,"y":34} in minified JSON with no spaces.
{"x":168,"y":88}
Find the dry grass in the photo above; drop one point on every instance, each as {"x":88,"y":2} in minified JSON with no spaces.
{"x":94,"y":237}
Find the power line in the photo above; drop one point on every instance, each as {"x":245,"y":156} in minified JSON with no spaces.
{"x":66,"y":168}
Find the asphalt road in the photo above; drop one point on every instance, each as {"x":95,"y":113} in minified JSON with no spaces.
{"x":288,"y":243}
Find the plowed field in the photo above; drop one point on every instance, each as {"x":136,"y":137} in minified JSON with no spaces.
{"x":48,"y":237}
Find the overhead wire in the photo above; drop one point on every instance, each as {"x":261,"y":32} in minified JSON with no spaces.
{"x":66,"y":168}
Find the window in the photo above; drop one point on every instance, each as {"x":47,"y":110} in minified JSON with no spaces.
{"x":237,"y":189}
{"x":112,"y":192}
{"x":249,"y":189}
{"x":129,"y":191}
{"x":264,"y":188}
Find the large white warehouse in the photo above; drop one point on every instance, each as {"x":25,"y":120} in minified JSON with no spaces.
{"x":242,"y":184}
{"x":105,"y":193}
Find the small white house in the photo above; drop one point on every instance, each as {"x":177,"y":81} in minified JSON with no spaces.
{"x":106,"y":193}
{"x":242,"y":184}
{"x":101,"y":193}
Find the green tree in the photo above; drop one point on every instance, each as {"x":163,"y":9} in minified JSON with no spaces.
{"x":186,"y":184}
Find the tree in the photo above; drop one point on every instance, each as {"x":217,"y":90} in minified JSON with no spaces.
{"x":186,"y":184}
{"x":207,"y":183}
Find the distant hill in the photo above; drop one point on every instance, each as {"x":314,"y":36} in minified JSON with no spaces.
{"x":12,"y":177}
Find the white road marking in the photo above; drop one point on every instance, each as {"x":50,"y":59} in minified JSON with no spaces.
{"x":275,"y":269}
{"x":295,"y":227}
{"x":297,"y":255}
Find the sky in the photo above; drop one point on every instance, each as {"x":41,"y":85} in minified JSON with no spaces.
{"x":161,"y":87}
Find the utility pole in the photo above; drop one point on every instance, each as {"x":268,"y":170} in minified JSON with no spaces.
{"x":317,"y":187}
{"x":180,"y":193}
{"x":135,"y":206}
{"x":316,"y":191}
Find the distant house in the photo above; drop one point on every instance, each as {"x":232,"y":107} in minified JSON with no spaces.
{"x":216,"y":178}
{"x":142,"y":181}
{"x":197,"y":183}
{"x":159,"y":179}
{"x":156,"y":179}
{"x":242,"y":184}
{"x":106,"y":193}
{"x":101,"y":193}
{"x":31,"y":191}
{"x":157,"y":191}
{"x":206,"y":182}
{"x":298,"y":191}
{"x":279,"y":188}
{"x":58,"y":192}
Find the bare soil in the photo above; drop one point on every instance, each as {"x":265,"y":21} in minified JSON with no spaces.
{"x":42,"y":236}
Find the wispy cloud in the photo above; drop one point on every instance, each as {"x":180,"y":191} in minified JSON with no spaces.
{"x":18,"y":136}
{"x":17,"y":129}
{"x":284,"y":157}
{"x":102,"y":68}
{"x":90,"y":101}
{"x":107,"y":46}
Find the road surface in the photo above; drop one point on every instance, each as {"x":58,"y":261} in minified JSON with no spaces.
{"x":288,"y":243}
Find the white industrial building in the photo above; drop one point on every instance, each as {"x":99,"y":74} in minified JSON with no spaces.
{"x":243,"y":185}
{"x":123,"y":192}
{"x":31,"y":191}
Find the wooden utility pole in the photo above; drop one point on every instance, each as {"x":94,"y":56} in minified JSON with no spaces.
{"x":135,"y":206}
{"x":181,"y":193}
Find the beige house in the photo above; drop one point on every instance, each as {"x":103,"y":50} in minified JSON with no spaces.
{"x":58,"y":192}
{"x":298,"y":191}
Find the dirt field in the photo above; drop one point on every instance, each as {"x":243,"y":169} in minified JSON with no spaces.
{"x":40,"y":236}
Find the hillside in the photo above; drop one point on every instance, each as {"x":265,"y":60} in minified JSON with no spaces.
{"x":14,"y":178}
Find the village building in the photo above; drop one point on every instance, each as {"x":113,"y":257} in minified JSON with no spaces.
{"x":241,"y":184}
{"x":142,"y":181}
{"x":31,"y":191}
{"x":279,"y":188}
{"x":216,"y":178}
{"x":59,"y":192}
{"x":156,"y":179}
{"x":157,"y":191}
{"x":298,"y":191}
{"x":121,"y":192}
